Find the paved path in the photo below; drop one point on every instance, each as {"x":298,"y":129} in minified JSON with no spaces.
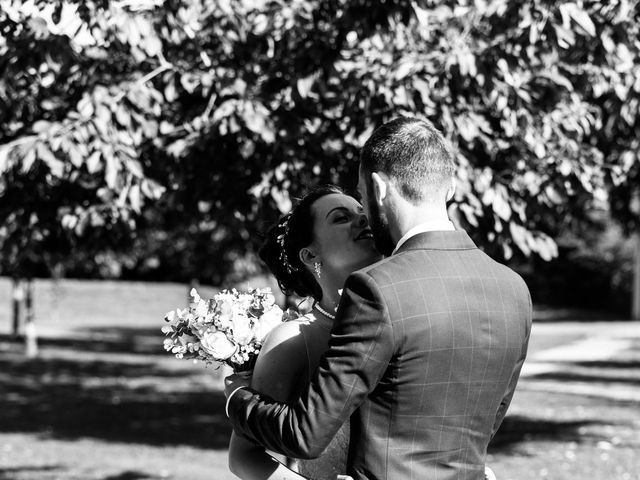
{"x":603,"y":360}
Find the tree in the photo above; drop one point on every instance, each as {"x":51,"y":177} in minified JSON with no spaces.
{"x":190,"y":124}
{"x":615,"y":90}
{"x":71,"y":129}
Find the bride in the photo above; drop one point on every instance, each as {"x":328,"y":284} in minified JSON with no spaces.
{"x":311,"y":251}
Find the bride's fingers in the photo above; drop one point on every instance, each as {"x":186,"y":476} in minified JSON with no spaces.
{"x":230,"y":380}
{"x":344,"y":477}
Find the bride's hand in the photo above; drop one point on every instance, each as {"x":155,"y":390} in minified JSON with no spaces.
{"x":488,"y":474}
{"x":235,"y":381}
{"x":344,"y":477}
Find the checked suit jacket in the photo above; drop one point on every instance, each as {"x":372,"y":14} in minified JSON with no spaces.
{"x":424,"y":357}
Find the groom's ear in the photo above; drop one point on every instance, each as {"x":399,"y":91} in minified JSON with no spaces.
{"x":451,"y":190}
{"x":380,"y":187}
{"x":307,"y":256}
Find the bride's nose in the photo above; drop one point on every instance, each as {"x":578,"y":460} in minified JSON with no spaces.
{"x":361,"y":220}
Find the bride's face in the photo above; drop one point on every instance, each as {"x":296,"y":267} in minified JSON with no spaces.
{"x":343,"y":240}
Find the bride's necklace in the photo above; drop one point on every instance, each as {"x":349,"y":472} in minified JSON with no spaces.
{"x":323,"y":311}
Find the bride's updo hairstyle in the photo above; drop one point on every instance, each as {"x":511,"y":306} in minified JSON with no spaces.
{"x":284,"y":240}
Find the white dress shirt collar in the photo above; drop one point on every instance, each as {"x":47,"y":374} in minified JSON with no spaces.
{"x":435,"y":225}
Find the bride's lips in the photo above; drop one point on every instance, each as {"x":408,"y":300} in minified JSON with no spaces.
{"x":365,"y":234}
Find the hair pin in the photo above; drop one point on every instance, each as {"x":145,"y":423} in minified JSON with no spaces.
{"x":280,"y":239}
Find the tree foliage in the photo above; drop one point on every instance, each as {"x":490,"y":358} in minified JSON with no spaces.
{"x":168,"y":134}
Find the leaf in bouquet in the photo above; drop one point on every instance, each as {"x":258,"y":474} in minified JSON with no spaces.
{"x":185,"y":339}
{"x":194,"y":294}
{"x":212,"y":304}
{"x":185,"y":316}
{"x":290,"y":314}
{"x":255,"y":310}
{"x":201,"y":309}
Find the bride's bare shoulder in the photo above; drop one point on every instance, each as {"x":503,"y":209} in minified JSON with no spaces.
{"x":286,"y":335}
{"x":281,"y":361}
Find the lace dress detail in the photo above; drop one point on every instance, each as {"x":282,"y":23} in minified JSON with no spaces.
{"x":332,"y":462}
{"x":316,"y":331}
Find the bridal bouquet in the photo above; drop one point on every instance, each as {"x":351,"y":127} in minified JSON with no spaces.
{"x":227,"y":329}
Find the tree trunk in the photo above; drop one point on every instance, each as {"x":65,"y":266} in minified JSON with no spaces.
{"x":28,"y":302}
{"x":635,"y":292}
{"x":17,"y":296}
{"x":31,"y":336}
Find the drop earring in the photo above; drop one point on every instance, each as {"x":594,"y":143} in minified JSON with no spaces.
{"x":316,"y":267}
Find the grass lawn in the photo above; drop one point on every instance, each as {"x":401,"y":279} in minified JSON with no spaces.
{"x":103,"y":401}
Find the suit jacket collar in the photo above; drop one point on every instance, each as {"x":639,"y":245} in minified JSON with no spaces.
{"x":439,"y":240}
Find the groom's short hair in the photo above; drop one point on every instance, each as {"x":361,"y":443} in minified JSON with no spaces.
{"x":412,"y":153}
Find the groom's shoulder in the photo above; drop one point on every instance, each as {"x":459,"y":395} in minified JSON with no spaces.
{"x":432,"y":263}
{"x":385,"y":270}
{"x":380,"y":265}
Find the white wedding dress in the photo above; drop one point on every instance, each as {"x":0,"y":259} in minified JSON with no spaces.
{"x":316,"y":330}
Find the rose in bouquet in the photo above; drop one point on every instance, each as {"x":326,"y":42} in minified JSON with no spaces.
{"x":228,"y":329}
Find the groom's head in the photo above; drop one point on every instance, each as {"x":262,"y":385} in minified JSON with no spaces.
{"x":411,"y":157}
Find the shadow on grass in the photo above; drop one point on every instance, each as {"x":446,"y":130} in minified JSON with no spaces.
{"x":620,"y":364}
{"x":557,"y":314}
{"x":11,"y":473}
{"x":143,"y":341}
{"x":516,"y":429}
{"x":129,"y":400}
{"x":72,"y":393}
{"x":131,"y":475}
{"x":583,"y":377}
{"x":620,"y":371}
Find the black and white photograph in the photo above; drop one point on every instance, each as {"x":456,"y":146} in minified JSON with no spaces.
{"x":319,"y":240}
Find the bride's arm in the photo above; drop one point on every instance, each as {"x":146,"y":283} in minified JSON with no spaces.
{"x":281,"y":364}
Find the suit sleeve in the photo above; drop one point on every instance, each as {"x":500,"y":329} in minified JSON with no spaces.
{"x":506,"y":400}
{"x":360,"y":348}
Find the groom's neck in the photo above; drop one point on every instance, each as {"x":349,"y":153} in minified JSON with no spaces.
{"x":407,"y":216}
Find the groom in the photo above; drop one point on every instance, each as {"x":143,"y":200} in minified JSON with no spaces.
{"x":427,"y":345}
